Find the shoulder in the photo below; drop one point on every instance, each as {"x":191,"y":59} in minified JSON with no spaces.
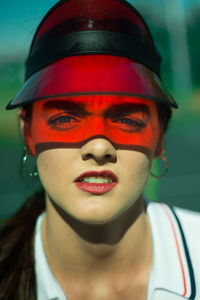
{"x":190,"y":221}
{"x":179,"y":231}
{"x":185,"y":222}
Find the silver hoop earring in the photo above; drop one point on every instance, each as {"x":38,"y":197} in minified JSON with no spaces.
{"x":25,"y":158}
{"x":164,"y":171}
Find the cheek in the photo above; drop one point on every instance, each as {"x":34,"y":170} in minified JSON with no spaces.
{"x":47,"y":169}
{"x":135,"y":172}
{"x":141,"y":171}
{"x":54,"y":167}
{"x":136,"y":163}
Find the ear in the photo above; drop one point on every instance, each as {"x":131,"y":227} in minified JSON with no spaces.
{"x":25,"y":127}
{"x":160,"y":147}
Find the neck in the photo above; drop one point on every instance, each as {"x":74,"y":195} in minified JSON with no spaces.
{"x":109,"y":233}
{"x":75,"y":246}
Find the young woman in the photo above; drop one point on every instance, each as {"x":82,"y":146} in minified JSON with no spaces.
{"x":93,"y":113}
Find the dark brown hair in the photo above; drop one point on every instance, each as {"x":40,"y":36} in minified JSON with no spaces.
{"x":164,"y":115}
{"x":17,"y":275}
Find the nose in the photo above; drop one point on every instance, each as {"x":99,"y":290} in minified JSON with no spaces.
{"x":100,"y":150}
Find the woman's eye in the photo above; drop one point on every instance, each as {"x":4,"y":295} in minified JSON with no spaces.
{"x":62,"y":122}
{"x":130,"y":123}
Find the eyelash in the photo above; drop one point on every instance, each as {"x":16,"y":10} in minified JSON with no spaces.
{"x":62,"y":121}
{"x":130,"y":123}
{"x":65,"y":122}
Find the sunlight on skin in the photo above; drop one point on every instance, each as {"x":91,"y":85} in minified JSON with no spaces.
{"x":125,"y":128}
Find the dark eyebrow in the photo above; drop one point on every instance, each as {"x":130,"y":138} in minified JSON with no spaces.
{"x":113,"y":110}
{"x":127,"y":108}
{"x":75,"y":107}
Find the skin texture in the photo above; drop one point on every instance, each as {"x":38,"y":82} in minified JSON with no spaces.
{"x":89,"y":208}
{"x":129,"y":123}
{"x":105,"y":238}
{"x":132,"y":126}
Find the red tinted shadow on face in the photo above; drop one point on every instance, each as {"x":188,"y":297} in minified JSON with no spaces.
{"x":128,"y":123}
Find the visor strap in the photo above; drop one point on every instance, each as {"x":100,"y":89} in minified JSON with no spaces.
{"x":92,"y":42}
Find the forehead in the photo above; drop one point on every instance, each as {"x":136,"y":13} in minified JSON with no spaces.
{"x":96,"y":103}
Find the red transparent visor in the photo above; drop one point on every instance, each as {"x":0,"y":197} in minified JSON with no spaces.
{"x":127,"y":122}
{"x":92,"y":74}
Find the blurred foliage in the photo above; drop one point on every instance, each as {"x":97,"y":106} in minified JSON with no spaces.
{"x":11,"y":74}
{"x":194,"y":43}
{"x":157,"y":23}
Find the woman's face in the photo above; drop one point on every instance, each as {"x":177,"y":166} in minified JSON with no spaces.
{"x":94,"y":155}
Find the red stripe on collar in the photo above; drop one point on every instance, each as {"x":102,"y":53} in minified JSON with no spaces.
{"x":178,"y":247}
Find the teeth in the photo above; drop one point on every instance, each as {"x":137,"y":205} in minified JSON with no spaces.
{"x":97,"y":180}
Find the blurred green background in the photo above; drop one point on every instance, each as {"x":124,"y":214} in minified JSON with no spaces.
{"x":175,"y":24}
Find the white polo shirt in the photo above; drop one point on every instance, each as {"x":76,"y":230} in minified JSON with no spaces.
{"x":175,"y":273}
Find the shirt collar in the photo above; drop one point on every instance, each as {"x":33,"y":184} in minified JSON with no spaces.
{"x":47,"y":286}
{"x":170,"y":274}
{"x":170,"y":271}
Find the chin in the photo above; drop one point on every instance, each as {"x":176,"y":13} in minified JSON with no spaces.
{"x":96,"y":217}
{"x":99,"y":215}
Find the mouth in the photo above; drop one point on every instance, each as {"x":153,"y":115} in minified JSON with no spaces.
{"x":96,"y":182}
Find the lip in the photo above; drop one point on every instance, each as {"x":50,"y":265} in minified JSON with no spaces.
{"x":96,"y":188}
{"x":104,"y":173}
